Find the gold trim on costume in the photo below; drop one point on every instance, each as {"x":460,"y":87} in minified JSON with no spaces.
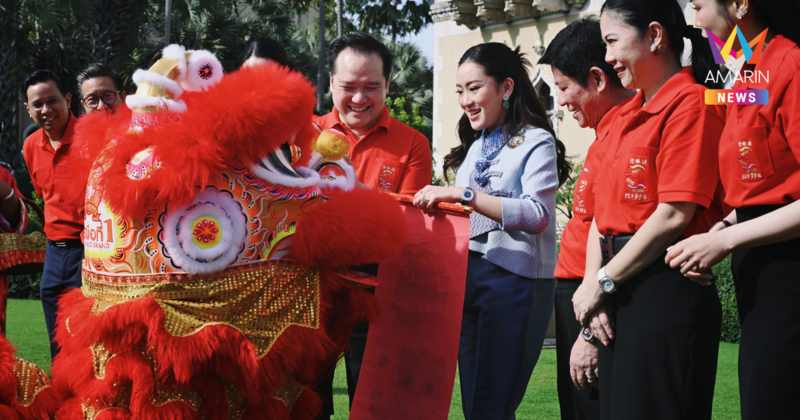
{"x":30,"y":381}
{"x":260,"y":300}
{"x":14,"y":242}
{"x":288,"y":391}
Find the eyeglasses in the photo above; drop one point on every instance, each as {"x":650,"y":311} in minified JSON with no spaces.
{"x":108,"y":97}
{"x":51,"y":102}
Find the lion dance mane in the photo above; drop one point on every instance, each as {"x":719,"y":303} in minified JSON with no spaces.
{"x":217,"y":239}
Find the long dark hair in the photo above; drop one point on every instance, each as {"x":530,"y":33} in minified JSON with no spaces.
{"x":501,"y":62}
{"x":270,"y":49}
{"x":640,"y":13}
{"x":780,"y":16}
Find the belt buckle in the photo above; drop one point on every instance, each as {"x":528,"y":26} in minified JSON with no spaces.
{"x":60,"y":244}
{"x":607,"y":247}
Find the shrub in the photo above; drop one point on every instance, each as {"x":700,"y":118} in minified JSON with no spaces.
{"x":24,"y":286}
{"x":731,"y":329}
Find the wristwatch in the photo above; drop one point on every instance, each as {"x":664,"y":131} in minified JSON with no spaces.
{"x":466,"y":196}
{"x":588,"y":336}
{"x":606,"y":283}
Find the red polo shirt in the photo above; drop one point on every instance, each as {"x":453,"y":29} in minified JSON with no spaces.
{"x":760,"y":147}
{"x":391,"y":157}
{"x":572,"y":254}
{"x":62,"y":219}
{"x":662,"y":152}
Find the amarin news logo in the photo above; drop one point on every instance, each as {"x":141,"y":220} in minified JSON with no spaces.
{"x":752,"y":53}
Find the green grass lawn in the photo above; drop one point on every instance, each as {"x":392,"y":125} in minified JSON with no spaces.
{"x":27,"y":331}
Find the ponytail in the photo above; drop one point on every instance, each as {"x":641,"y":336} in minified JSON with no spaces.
{"x":702,"y":58}
{"x":640,"y":13}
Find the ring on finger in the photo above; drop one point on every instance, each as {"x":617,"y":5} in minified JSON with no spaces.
{"x":424,"y":200}
{"x":591,"y":377}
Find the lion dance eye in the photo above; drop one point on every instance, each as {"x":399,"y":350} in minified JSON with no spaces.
{"x":206,"y":71}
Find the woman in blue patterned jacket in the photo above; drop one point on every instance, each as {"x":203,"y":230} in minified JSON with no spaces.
{"x":509,"y":167}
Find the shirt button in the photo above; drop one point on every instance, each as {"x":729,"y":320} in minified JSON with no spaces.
{"x":741,"y":120}
{"x":625,"y":138}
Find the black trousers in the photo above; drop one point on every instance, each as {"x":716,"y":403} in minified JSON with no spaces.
{"x":767,"y":282}
{"x":662,"y":363}
{"x":575,"y":404}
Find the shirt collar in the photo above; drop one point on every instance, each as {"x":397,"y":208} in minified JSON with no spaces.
{"x":384,"y":120}
{"x":604,"y":126}
{"x":668,"y":92}
{"x":776,"y":51}
{"x":65,"y":139}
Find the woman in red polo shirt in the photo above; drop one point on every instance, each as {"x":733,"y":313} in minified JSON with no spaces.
{"x":759,"y":159}
{"x":658,"y":182}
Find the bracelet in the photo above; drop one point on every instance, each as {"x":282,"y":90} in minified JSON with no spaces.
{"x":11,"y":194}
{"x":726,"y":223}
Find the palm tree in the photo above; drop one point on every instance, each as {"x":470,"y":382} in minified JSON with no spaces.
{"x":412,"y":78}
{"x":321,"y":59}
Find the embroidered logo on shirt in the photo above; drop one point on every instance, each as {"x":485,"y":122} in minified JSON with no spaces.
{"x":385,"y":177}
{"x":747,"y":160}
{"x":579,"y":204}
{"x":635,"y":179}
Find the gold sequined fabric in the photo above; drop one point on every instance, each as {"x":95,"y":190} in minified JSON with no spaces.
{"x":288,"y":391}
{"x":120,"y":401}
{"x":237,"y":403}
{"x":260,"y":300}
{"x":12,"y":242}
{"x":30,"y":381}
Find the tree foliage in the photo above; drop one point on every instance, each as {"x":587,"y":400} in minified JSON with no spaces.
{"x":67,"y":35}
{"x":385,"y":19}
{"x":564,"y":194}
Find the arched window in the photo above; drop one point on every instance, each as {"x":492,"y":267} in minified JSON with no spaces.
{"x":545,"y":90}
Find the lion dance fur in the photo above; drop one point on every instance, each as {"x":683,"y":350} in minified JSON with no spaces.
{"x":217,"y":241}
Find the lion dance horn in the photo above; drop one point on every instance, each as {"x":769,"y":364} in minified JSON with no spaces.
{"x":157,"y":99}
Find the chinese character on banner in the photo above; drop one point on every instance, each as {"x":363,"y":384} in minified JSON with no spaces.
{"x":409,"y":363}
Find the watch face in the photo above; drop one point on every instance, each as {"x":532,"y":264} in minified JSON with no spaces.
{"x":587,"y":334}
{"x":607,"y":285}
{"x":466,"y":196}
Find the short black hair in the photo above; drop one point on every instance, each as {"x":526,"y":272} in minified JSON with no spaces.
{"x":577,"y":48}
{"x":364,"y":44}
{"x":270,"y":49}
{"x":99,"y":70}
{"x":43,"y":75}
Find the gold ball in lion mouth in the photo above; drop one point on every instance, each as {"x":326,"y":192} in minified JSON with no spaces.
{"x":333,"y":144}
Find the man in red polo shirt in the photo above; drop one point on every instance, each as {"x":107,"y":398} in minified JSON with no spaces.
{"x":387,"y":155}
{"x":44,"y":151}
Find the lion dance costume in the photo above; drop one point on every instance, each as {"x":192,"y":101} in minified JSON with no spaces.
{"x":217,"y":228}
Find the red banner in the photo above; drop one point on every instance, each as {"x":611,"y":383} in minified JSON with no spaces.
{"x":410,"y":360}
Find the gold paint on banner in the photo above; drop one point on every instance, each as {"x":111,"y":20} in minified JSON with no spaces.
{"x":30,"y":381}
{"x":260,"y":300}
{"x":288,"y":391}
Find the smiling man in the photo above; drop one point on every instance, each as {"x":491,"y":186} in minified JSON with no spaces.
{"x":592,"y":92}
{"x":44,"y":150}
{"x":101,"y":88}
{"x":387,"y":155}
